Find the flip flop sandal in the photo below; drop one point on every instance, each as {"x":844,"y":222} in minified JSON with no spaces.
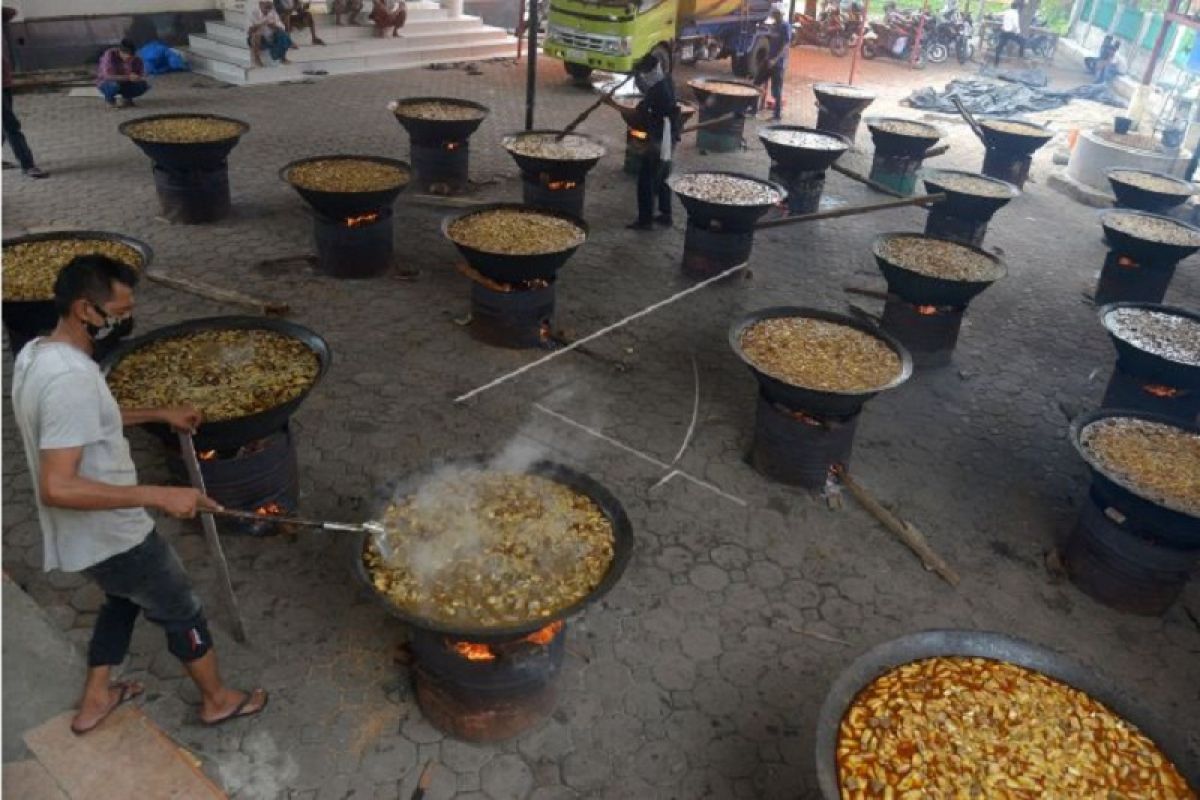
{"x":127,"y":693}
{"x":240,"y":710}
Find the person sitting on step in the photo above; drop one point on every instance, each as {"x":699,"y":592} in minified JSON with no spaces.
{"x":343,"y":7}
{"x":296,"y":14}
{"x":264,"y":27}
{"x":121,"y":75}
{"x":388,"y":14}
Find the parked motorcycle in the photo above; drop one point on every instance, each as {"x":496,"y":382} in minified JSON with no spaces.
{"x":893,"y":38}
{"x":953,"y":31}
{"x":829,"y":29}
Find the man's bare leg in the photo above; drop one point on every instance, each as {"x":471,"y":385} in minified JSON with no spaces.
{"x":311,"y":20}
{"x":100,"y":697}
{"x":217,"y":700}
{"x":256,"y":49}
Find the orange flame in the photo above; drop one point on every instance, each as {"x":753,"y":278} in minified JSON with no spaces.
{"x":1126,"y":262}
{"x":1158,"y":390}
{"x":558,"y":186}
{"x":638,"y":134}
{"x":473,"y":651}
{"x":927,"y":311}
{"x":452,"y":145}
{"x":271,"y":509}
{"x":545,"y":635}
{"x":206,"y":455}
{"x":807,"y":419}
{"x":362,"y":219}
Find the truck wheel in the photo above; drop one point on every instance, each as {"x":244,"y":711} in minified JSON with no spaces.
{"x":747,"y":66}
{"x":577,"y":71}
{"x":868,"y":49}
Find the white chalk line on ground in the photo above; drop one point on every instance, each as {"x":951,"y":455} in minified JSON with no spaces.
{"x":649,"y":459}
{"x":591,"y":337}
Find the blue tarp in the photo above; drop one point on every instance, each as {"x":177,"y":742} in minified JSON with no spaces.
{"x":159,"y":58}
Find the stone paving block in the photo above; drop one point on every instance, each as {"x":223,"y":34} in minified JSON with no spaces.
{"x":506,"y":778}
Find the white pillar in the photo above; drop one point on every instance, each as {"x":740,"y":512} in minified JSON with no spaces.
{"x":455,"y":7}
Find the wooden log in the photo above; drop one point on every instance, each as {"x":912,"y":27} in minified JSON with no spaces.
{"x":905,"y":531}
{"x":850,"y":211}
{"x":220,"y":295}
{"x":707,"y":123}
{"x":863,"y":179}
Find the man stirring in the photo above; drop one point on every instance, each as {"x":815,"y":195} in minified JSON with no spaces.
{"x":91,"y":508}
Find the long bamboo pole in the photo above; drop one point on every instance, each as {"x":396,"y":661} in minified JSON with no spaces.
{"x":850,"y":211}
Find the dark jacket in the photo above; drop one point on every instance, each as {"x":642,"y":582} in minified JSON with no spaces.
{"x":658,"y":105}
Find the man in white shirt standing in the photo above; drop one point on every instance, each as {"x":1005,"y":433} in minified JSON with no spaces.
{"x":91,"y":508}
{"x":1010,"y":30}
{"x":264,"y":27}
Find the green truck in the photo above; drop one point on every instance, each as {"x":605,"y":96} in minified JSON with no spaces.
{"x":612,"y":35}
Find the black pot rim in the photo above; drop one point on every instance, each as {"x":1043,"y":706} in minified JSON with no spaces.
{"x":937,"y":135}
{"x":847,"y":144}
{"x":698,"y":83}
{"x":740,"y":324}
{"x":508,"y":138}
{"x":141,"y":247}
{"x":285,"y":171}
{"x":783,"y":193}
{"x":1108,"y":173}
{"x":867,"y":95}
{"x":1084,"y":420}
{"x":623,"y":544}
{"x":931,"y":174}
{"x":1046,"y":134}
{"x":450,"y":219}
{"x":1176,"y":311}
{"x":310,"y":338}
{"x":1104,"y":214}
{"x":889,"y":235}
{"x":123,"y":129}
{"x":982,"y":644}
{"x":456,"y":101}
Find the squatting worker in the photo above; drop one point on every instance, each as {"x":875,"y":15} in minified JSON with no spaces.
{"x":657,"y":112}
{"x":91,"y":508}
{"x":265,"y":28}
{"x":121,"y":75}
{"x":1010,"y":30}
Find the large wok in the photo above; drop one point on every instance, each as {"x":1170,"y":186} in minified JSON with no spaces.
{"x":981,"y":644}
{"x":231,"y":433}
{"x":186,"y":155}
{"x":340,"y":205}
{"x":622,"y":550}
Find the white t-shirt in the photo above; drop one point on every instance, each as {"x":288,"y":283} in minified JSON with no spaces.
{"x":61,"y":400}
{"x":255,"y":16}
{"x":1010,"y":21}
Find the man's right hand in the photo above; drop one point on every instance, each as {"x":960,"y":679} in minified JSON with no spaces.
{"x":183,"y":502}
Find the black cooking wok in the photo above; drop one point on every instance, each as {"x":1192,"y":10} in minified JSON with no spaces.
{"x":184,"y":156}
{"x":1016,"y":144}
{"x":340,"y":205}
{"x":728,"y":217}
{"x":840,"y":104}
{"x":902,"y":144}
{"x":963,"y":204}
{"x":928,"y":290}
{"x":1141,"y":199}
{"x":1148,"y":365}
{"x":232,"y":433}
{"x":439,"y":131}
{"x":508,"y":268}
{"x":713,"y":103}
{"x":567,"y":169}
{"x":26,"y":319}
{"x":804,"y":159}
{"x":1146,"y":251}
{"x":981,"y":644}
{"x":816,"y":401}
{"x":1172,"y":526}
{"x":622,"y":550}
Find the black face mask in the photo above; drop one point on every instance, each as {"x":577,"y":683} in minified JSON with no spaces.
{"x":106,"y":337}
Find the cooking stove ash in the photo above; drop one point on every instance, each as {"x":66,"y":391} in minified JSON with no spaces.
{"x":485,"y":691}
{"x":261,"y":476}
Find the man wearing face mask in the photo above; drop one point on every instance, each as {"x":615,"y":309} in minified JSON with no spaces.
{"x":658,"y":115}
{"x":91,"y":508}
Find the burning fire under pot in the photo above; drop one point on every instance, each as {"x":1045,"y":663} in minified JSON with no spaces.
{"x":190,"y":177}
{"x":488,"y":684}
{"x":900,"y":148}
{"x":554,"y":171}
{"x":352,"y":230}
{"x":1009,"y":147}
{"x":1127,"y":550}
{"x":726,"y":100}
{"x":27,"y":319}
{"x":1145,"y":190}
{"x":1140,"y":262}
{"x":971,"y":202}
{"x":923,"y":311}
{"x":439,"y":129}
{"x":512,"y":294}
{"x":802,"y":435}
{"x":1158,"y":360}
{"x":840,"y":107}
{"x":799,"y":158}
{"x":249,"y":463}
{"x":720,"y":227}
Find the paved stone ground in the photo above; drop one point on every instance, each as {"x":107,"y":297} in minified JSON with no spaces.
{"x":702,"y":673}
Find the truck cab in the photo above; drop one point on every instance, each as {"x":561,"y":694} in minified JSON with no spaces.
{"x":614,"y":35}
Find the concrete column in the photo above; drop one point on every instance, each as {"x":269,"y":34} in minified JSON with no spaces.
{"x":455,"y":7}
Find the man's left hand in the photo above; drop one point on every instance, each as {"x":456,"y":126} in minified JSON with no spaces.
{"x":182,"y":419}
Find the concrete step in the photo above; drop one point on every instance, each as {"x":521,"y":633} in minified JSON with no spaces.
{"x":313,"y":56}
{"x":224,"y":32}
{"x":241,"y":74}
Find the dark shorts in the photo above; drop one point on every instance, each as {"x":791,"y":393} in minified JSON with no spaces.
{"x":152,"y":577}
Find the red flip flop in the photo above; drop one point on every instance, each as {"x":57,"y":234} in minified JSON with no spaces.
{"x":129,"y":691}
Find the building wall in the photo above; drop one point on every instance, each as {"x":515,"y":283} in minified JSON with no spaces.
{"x":53,"y":9}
